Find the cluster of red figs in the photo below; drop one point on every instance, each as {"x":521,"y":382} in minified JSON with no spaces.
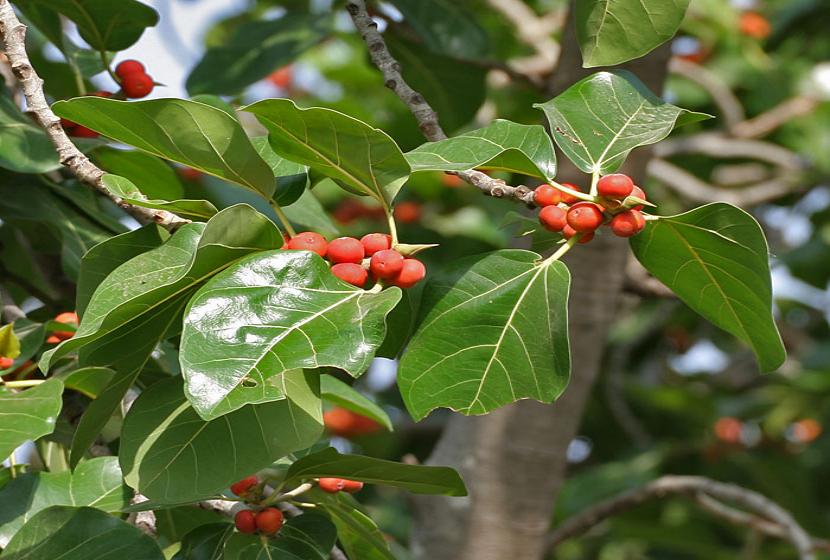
{"x":268,"y":520}
{"x":565,"y":213}
{"x":135,"y":84}
{"x":346,"y":424}
{"x":356,"y":260}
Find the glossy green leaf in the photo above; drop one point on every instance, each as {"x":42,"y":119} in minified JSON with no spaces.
{"x":360,"y":158}
{"x":270,"y":313}
{"x":24,"y":147}
{"x":191,"y":256}
{"x":446,"y":26}
{"x":611,"y":32}
{"x":310,"y":536}
{"x":455,"y":89}
{"x":172,"y":456}
{"x":715,"y":258}
{"x":343,"y":395}
{"x":414,"y":478}
{"x":256,"y":49}
{"x":513,"y":308}
{"x":186,"y":208}
{"x":89,"y":381}
{"x":292,"y":178}
{"x":187,"y":132}
{"x":68,"y":533}
{"x":29,"y":414}
{"x":503,"y":145}
{"x":95,"y":483}
{"x":108,"y":255}
{"x":600,"y":119}
{"x":104,"y":24}
{"x":205,"y":542}
{"x":155,"y":178}
{"x":357,"y":532}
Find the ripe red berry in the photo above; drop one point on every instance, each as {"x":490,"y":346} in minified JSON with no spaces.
{"x":412,"y":272}
{"x":345,"y":423}
{"x":52,"y":340}
{"x":374,"y":242}
{"x":137,"y":85}
{"x":63,"y":335}
{"x":6,"y":363}
{"x":352,"y":273}
{"x":639,"y":193}
{"x":546,"y":195}
{"x":628,"y":223}
{"x":408,"y":212}
{"x":269,"y":520}
{"x":569,"y":232}
{"x":345,"y":250}
{"x":585,"y":216}
{"x":241,"y":487}
{"x":553,"y":218}
{"x":352,"y":486}
{"x":128,"y":67}
{"x":386,"y":264}
{"x":568,"y":198}
{"x":83,"y":132}
{"x":616,"y":185}
{"x":68,"y":318}
{"x":281,"y":77}
{"x":309,"y":241}
{"x":245,"y":521}
{"x":332,"y":485}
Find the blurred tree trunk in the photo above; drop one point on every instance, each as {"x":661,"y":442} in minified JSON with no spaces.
{"x":514,"y":459}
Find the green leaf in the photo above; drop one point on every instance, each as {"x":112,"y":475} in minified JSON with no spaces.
{"x":359,"y":157}
{"x":715,"y":258}
{"x":455,"y":89}
{"x":24,"y":147}
{"x":611,"y":32}
{"x":341,"y":394}
{"x":155,"y":178}
{"x":172,"y":456}
{"x":105,"y":25}
{"x":513,"y":308}
{"x":360,"y":537}
{"x":256,"y":49}
{"x":504,"y":145}
{"x":29,"y":414}
{"x":310,"y":536}
{"x":187,"y":132}
{"x":205,"y":542}
{"x":108,"y":255}
{"x":600,"y":119}
{"x":270,"y":313}
{"x":191,"y":256}
{"x":415,"y":478}
{"x":9,"y":343}
{"x":186,"y":208}
{"x":68,"y":533}
{"x":89,"y":380}
{"x":292,"y":178}
{"x":309,"y":213}
{"x":30,"y":337}
{"x":96,"y":483}
{"x":446,"y":27}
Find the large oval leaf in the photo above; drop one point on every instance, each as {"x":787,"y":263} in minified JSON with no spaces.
{"x":512,"y":309}
{"x":715,"y":258}
{"x":24,"y":147}
{"x":446,"y":26}
{"x":310,"y":536}
{"x":68,"y":533}
{"x":597,"y":121}
{"x":504,"y":145}
{"x":361,"y":158}
{"x":172,"y":456}
{"x":156,"y":178}
{"x":358,"y":534}
{"x":95,"y":483}
{"x":194,"y":209}
{"x":187,"y":132}
{"x":611,"y":32}
{"x":271,"y":313}
{"x":29,"y":414}
{"x":205,"y":542}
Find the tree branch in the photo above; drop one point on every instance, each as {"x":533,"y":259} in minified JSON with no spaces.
{"x":424,"y":114}
{"x":692,"y":486}
{"x":13,"y":34}
{"x":11,"y":312}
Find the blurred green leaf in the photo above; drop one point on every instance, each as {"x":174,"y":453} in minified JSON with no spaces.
{"x":343,"y":395}
{"x":29,"y":414}
{"x":154,"y":178}
{"x":126,"y":190}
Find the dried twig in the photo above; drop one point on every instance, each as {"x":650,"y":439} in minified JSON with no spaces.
{"x":13,"y":34}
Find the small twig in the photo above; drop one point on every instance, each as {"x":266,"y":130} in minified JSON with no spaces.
{"x":144,"y":520}
{"x":11,"y":312}
{"x":769,"y":120}
{"x":639,"y":281}
{"x":424,"y":114}
{"x":731,"y":109}
{"x":689,"y":486}
{"x":13,"y":34}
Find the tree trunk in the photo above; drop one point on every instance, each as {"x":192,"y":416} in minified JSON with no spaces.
{"x":514,"y":459}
